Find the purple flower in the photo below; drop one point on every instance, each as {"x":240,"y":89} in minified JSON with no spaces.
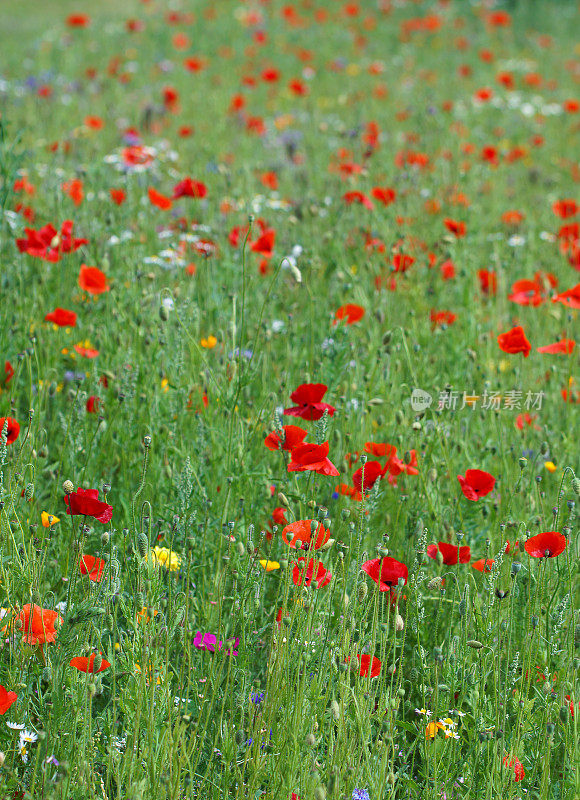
{"x":207,"y":641}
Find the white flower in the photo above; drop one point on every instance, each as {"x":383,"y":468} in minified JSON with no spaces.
{"x":15,"y":726}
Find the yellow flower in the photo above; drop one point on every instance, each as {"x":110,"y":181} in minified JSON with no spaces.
{"x":550,"y":466}
{"x":167,"y":558}
{"x":269,"y":566}
{"x":432,"y":728}
{"x":165,"y":385}
{"x":48,"y":519}
{"x":209,"y":343}
{"x":143,"y":617}
{"x":149,"y":674}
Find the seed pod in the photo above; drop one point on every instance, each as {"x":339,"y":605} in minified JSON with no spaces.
{"x":68,"y":487}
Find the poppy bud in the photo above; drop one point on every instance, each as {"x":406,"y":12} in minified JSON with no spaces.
{"x":564,"y":714}
{"x":320,"y":793}
{"x":29,"y":491}
{"x":240,"y":737}
{"x":142,"y":544}
{"x":475,"y":644}
{"x":310,"y":740}
{"x":97,"y":663}
{"x":335,"y":710}
{"x":576,"y":485}
{"x":362,"y":592}
{"x":399,"y":623}
{"x":435,"y":583}
{"x":283,"y":499}
{"x":68,"y":487}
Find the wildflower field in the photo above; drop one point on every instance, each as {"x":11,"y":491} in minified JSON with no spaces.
{"x":289,"y":400}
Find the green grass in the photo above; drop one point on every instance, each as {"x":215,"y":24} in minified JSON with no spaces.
{"x":176,"y":445}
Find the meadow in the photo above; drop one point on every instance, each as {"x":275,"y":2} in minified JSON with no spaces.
{"x":289,"y":400}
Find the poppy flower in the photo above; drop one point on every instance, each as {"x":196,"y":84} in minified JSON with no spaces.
{"x":350,"y":313}
{"x":402,"y":262}
{"x":386,"y":572}
{"x":483,"y":565}
{"x":380,"y":449}
{"x":8,"y":374}
{"x":48,"y":244}
{"x":367,"y":666}
{"x":92,"y":280}
{"x":565,"y":208}
{"x":487,"y":281}
{"x":301,"y":530}
{"x":514,"y":341}
{"x":6,"y":699}
{"x":570,"y":298}
{"x":452,"y":554}
{"x":373,"y":470}
{"x":455,"y":227}
{"x":78,"y":21}
{"x":307,"y":457}
{"x":62,"y":317}
{"x":12,"y":430}
{"x":84,"y":664}
{"x":476,"y":483}
{"x":158,"y":199}
{"x":189,"y":188}
{"x":439,"y":318}
{"x":292,"y":437}
{"x":74,"y":189}
{"x":264,"y":245}
{"x":93,"y":404}
{"x":546,"y":545}
{"x":384,"y":195}
{"x":357,"y":197}
{"x":308,"y":397}
{"x":527,"y":293}
{"x":38,"y":624}
{"x":563,"y":347}
{"x":118,"y":196}
{"x":85,"y":351}
{"x":315,"y":571}
{"x":513,"y":763}
{"x":93,"y":567}
{"x":86,"y":503}
{"x":279,"y":516}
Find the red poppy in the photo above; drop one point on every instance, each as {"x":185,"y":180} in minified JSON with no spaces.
{"x":279,"y":516}
{"x":526,"y":419}
{"x":564,"y":346}
{"x":93,"y":567}
{"x":487,"y":281}
{"x":527,"y":293}
{"x":301,"y":530}
{"x":315,"y":571}
{"x":84,"y":664}
{"x":62,"y":317}
{"x":546,"y":545}
{"x":92,"y":280}
{"x":402,"y":262}
{"x":380,"y":449}
{"x":373,"y":470}
{"x":482,"y":565}
{"x":476,"y":483}
{"x":514,"y":341}
{"x":292,"y":437}
{"x":357,"y":197}
{"x":78,"y":21}
{"x":448,"y":271}
{"x":189,"y":188}
{"x":570,"y":298}
{"x":308,"y":397}
{"x":93,"y":404}
{"x":38,"y":624}
{"x":158,"y":199}
{"x":12,"y":430}
{"x":351,"y":313}
{"x":95,"y":123}
{"x":48,"y":244}
{"x":365,"y":666}
{"x":384,"y":195}
{"x":452,"y":554}
{"x":565,"y":208}
{"x":457,"y":228}
{"x":6,"y":699}
{"x":118,"y":196}
{"x":386,"y":572}
{"x":307,"y":457}
{"x":86,"y":503}
{"x":264,"y":245}
{"x":513,"y":763}
{"x":8,"y":374}
{"x":85,"y":352}
{"x":439,"y":318}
